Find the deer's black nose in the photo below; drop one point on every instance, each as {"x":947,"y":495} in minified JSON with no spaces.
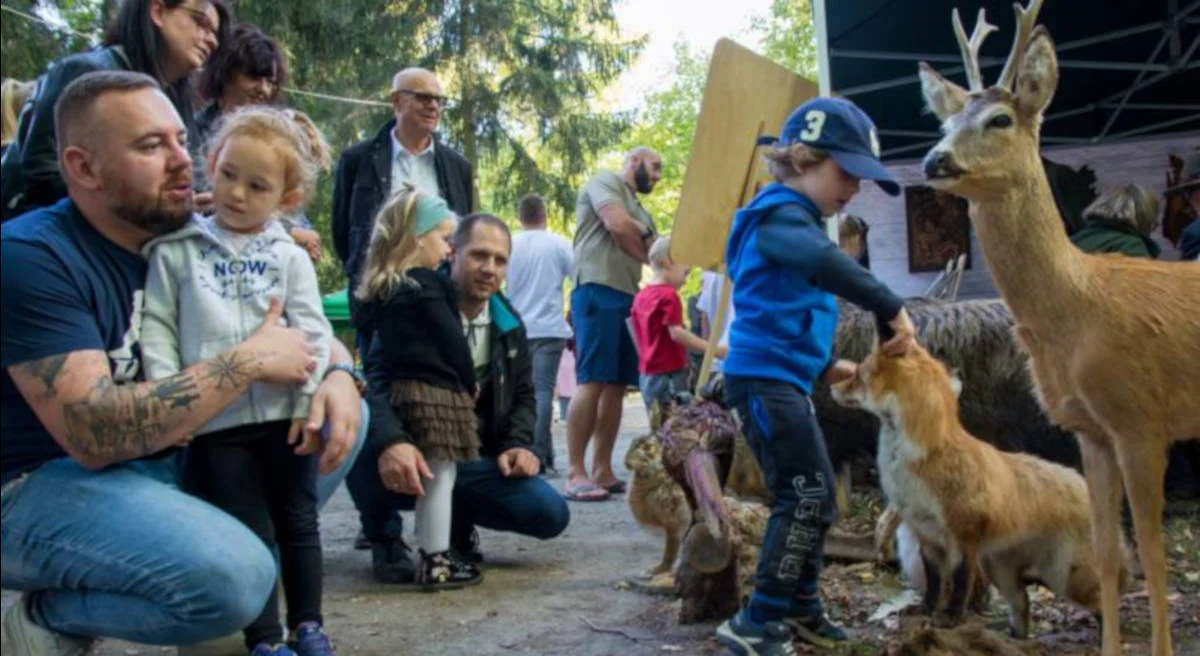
{"x":939,"y":164}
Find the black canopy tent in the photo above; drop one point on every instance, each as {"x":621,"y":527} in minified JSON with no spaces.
{"x":1128,"y":68}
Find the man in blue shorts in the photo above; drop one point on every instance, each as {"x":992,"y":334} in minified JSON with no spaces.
{"x":612,"y":238}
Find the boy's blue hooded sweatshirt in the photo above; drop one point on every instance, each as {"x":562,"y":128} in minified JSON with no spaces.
{"x":785,"y":273}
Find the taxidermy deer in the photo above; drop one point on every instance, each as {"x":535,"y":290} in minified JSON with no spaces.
{"x":1114,"y":342}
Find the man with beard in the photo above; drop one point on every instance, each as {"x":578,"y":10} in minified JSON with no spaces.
{"x":612,"y":239}
{"x":96,"y":533}
{"x":501,"y":490}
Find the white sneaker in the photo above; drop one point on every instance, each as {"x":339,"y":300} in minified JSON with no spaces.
{"x":28,"y":639}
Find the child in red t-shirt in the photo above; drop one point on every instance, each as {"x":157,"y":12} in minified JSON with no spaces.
{"x":662,"y":340}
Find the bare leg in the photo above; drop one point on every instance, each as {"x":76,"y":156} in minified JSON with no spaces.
{"x":608,"y":422}
{"x":581,"y":422}
{"x":1105,"y":488}
{"x":1144,"y":464}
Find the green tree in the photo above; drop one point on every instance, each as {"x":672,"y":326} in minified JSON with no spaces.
{"x":30,"y":46}
{"x":789,"y":37}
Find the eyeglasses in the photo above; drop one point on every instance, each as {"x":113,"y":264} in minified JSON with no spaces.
{"x":425,"y":98}
{"x":202,"y":21}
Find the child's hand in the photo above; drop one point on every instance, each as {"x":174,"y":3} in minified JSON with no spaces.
{"x":305,"y":442}
{"x":722,"y":352}
{"x":904,"y":335}
{"x":840,"y":371}
{"x":309,"y":240}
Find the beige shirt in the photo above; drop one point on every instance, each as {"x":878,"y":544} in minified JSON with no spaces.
{"x":598,"y":258}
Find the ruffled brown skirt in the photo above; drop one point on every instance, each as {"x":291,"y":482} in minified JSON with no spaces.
{"x":442,"y":422}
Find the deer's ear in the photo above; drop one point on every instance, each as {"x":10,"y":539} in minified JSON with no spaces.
{"x":943,"y":97}
{"x":1038,"y":76}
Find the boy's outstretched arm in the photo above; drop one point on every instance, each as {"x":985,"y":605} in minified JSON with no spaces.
{"x":689,"y":340}
{"x":795,"y":242}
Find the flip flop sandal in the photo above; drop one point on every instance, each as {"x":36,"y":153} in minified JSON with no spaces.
{"x":616,"y":488}
{"x":585,"y":492}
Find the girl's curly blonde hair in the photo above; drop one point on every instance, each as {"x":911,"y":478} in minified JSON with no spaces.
{"x":393,"y":249}
{"x":305,"y":151}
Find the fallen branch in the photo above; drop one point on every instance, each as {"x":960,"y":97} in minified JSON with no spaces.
{"x":600,"y":629}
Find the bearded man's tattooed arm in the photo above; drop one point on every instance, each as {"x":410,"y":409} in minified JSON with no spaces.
{"x":98,"y":422}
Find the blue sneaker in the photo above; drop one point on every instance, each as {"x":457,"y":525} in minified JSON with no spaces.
{"x":310,"y":639}
{"x":746,"y":638}
{"x":265,"y":649}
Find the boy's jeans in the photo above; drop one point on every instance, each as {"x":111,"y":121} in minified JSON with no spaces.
{"x":123,"y":553}
{"x":781,"y":428}
{"x":662,"y":388}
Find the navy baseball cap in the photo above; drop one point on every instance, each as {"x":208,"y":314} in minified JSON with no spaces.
{"x":843,"y":130}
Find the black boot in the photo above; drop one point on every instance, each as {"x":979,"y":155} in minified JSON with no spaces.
{"x":392,"y":562}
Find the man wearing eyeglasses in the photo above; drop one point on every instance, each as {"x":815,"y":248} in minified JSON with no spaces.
{"x":405,"y":150}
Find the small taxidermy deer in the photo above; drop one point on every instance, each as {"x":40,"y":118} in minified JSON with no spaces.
{"x":1114,"y":342}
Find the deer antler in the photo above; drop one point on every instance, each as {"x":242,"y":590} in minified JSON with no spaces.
{"x":970,"y":48}
{"x":1026,"y":19}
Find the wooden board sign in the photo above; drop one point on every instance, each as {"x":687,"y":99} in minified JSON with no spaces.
{"x":746,"y":96}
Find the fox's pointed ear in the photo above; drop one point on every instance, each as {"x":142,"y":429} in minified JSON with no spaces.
{"x":956,"y":382}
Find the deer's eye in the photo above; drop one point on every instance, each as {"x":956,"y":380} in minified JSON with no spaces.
{"x":1000,"y":121}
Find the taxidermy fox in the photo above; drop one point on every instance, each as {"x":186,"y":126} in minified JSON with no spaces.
{"x":1022,"y":519}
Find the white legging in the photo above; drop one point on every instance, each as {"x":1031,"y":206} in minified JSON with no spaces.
{"x":433,"y":508}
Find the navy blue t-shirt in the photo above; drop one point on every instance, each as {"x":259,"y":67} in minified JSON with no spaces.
{"x":65,"y":288}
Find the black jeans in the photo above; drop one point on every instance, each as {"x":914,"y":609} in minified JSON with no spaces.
{"x":781,"y":429}
{"x":252,"y":473}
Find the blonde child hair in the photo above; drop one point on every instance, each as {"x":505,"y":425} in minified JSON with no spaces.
{"x":12,"y":97}
{"x":1130,"y":203}
{"x":786,"y":162}
{"x":304,"y":149}
{"x":660,"y":253}
{"x":394,"y":248}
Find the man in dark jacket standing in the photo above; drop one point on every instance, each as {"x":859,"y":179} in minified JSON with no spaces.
{"x":405,"y":150}
{"x":501,"y":490}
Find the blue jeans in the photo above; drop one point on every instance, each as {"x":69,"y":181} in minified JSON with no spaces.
{"x":482,"y":497}
{"x":781,"y":429}
{"x":123,"y":553}
{"x":327,"y":483}
{"x":547,"y":353}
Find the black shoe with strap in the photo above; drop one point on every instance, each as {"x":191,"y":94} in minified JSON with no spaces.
{"x":445,"y":570}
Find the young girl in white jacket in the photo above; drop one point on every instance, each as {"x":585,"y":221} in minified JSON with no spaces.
{"x":210,"y":285}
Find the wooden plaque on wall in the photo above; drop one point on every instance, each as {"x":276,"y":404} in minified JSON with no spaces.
{"x":746,"y":96}
{"x":938,"y":228}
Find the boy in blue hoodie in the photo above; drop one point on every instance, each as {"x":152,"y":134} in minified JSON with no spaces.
{"x":786,"y":273}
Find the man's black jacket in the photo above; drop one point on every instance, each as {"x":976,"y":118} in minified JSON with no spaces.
{"x":363,"y":183}
{"x":506,"y":407}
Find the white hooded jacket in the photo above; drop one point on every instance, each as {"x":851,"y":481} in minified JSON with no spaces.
{"x":203,"y":298}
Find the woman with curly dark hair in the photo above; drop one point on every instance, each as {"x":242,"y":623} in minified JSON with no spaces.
{"x":165,"y":39}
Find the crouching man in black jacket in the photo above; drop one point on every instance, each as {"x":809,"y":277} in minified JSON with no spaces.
{"x":501,"y":491}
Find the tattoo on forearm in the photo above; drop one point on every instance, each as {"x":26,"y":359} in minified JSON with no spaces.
{"x":178,"y":391}
{"x":233,"y":369}
{"x":46,"y":370}
{"x":124,"y":421}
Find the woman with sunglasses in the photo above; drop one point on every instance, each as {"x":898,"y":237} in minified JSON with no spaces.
{"x":166,"y":39}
